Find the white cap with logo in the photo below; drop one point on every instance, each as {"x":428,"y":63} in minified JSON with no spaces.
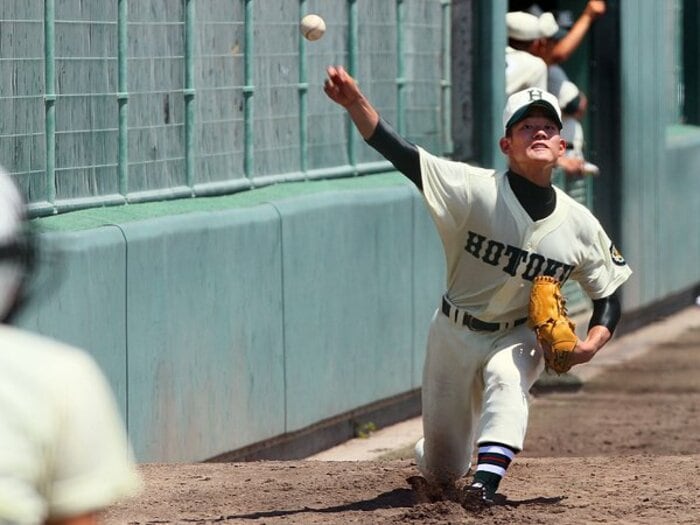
{"x":526,"y":27}
{"x":519,"y":104}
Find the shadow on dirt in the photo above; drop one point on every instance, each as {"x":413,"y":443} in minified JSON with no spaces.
{"x":534,"y":501}
{"x":397,"y":498}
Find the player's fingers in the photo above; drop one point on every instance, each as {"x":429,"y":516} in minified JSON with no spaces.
{"x":332,"y":91}
{"x":337,"y":73}
{"x":343,"y":75}
{"x":337,"y":77}
{"x":331,"y":71}
{"x":596,"y":7}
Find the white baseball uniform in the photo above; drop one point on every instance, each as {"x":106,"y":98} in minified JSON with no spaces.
{"x":524,"y":70}
{"x":559,"y":85}
{"x":63,"y":448}
{"x":476,"y":383}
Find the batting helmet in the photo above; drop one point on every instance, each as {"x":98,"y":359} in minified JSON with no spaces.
{"x":16,"y":249}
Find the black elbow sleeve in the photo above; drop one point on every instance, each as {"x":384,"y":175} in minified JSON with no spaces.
{"x":397,"y":150}
{"x":606,"y":312}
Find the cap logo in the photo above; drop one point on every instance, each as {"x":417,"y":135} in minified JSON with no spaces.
{"x":535,"y":94}
{"x":518,"y":106}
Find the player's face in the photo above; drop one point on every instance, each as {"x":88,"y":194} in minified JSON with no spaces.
{"x":534,"y":141}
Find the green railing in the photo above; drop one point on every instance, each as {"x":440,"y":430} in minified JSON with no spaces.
{"x":108,"y":103}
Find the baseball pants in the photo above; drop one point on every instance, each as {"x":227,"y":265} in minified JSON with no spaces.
{"x":475,"y":390}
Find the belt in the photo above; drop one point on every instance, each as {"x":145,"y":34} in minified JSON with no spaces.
{"x":477,"y":325}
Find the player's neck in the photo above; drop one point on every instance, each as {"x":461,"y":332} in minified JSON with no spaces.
{"x":537,"y":201}
{"x":535,"y":174}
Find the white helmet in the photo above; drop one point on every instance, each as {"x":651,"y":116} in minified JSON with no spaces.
{"x":14,"y":252}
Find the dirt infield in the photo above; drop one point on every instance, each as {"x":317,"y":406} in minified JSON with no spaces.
{"x":625,"y":449}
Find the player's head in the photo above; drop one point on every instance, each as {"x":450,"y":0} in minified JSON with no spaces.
{"x":532,"y":126}
{"x":526,"y":30}
{"x":523,"y":103}
{"x":16,"y":248}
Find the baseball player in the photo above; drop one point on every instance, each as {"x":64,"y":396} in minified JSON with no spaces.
{"x":499,"y":230}
{"x":524,"y":67}
{"x":64,"y":454}
{"x":538,"y":34}
{"x":569,"y":39}
{"x":573,"y":104}
{"x":562,"y":36}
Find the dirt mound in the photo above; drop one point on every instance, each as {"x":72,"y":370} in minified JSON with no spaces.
{"x":623,"y":449}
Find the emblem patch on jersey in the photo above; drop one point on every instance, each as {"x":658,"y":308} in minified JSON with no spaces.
{"x":616,"y":256}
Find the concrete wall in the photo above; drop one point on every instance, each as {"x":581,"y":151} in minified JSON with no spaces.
{"x":660,"y":185}
{"x":221,"y":328}
{"x":678,"y":228}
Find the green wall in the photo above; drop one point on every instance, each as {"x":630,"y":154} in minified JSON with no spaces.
{"x":660,"y":234}
{"x":678,"y":228}
{"x":241,"y":320}
{"x":79,"y":296}
{"x":204,"y":332}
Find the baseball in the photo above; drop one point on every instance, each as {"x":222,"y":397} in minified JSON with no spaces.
{"x":312,"y":27}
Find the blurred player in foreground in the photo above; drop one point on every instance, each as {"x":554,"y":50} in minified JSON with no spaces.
{"x":64,"y":454}
{"x":499,"y":231}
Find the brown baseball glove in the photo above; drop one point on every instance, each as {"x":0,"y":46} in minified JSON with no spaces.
{"x":554,"y":330}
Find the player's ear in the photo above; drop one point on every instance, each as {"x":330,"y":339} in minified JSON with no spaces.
{"x":562,"y":147}
{"x":504,"y":143}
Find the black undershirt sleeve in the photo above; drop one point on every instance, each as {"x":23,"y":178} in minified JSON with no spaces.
{"x":397,"y":150}
{"x":606,"y":312}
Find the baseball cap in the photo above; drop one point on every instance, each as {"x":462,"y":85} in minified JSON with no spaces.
{"x":520,"y":103}
{"x":526,"y":26}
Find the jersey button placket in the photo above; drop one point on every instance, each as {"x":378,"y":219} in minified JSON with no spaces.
{"x":527,"y":239}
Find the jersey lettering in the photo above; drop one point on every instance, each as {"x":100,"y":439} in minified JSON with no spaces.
{"x":474,"y":243}
{"x":534,"y":266}
{"x":568,"y":270}
{"x":493,"y":252}
{"x":512,"y":259}
{"x":515,"y":257}
{"x":552,"y":267}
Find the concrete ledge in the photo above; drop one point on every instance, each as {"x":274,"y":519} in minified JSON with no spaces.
{"x":330,"y":432}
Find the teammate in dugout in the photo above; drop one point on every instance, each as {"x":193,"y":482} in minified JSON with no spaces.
{"x":499,"y":230}
{"x":64,"y":454}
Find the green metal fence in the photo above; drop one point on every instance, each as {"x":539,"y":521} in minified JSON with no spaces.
{"x":114,"y":101}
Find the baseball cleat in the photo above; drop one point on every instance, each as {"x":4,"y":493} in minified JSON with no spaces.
{"x":477,"y":496}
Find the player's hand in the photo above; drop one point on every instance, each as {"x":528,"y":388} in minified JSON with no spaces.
{"x":340,"y":87}
{"x":582,"y":353}
{"x":595,"y":8}
{"x":572,"y":166}
{"x":585,"y":349}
